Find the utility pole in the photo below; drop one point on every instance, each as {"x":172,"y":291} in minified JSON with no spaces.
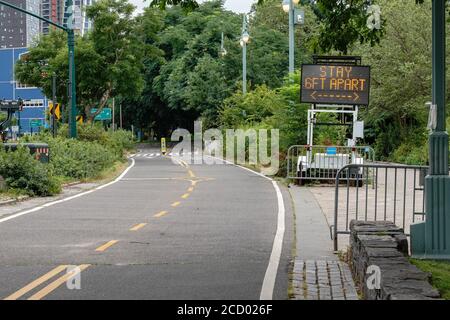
{"x":71,"y":48}
{"x":54,"y":105}
{"x":291,"y":38}
{"x":19,"y":133}
{"x":113,"y":114}
{"x":431,"y":239}
{"x":72,"y":78}
{"x":120,"y":115}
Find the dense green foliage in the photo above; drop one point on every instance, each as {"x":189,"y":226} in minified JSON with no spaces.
{"x":25,"y":174}
{"x":342,"y":22}
{"x":93,"y":153}
{"x":193,"y":78}
{"x":396,"y":119}
{"x":401,"y":83}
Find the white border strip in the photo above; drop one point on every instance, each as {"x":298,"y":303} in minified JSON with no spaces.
{"x":275,"y":257}
{"x":19,"y":214}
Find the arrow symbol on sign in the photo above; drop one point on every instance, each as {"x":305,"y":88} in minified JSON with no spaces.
{"x":313,"y":95}
{"x":356,"y":96}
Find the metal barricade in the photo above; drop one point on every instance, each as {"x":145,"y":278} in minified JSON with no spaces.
{"x":384,"y":192}
{"x":324,"y":162}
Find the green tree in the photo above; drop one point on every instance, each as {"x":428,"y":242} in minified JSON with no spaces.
{"x":109,"y":59}
{"x":195,"y":78}
{"x":343,"y":23}
{"x":401,"y":77}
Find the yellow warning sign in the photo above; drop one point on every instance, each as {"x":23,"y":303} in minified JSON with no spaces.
{"x":163,"y":146}
{"x":55,"y":109}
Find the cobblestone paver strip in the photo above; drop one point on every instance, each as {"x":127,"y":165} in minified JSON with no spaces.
{"x":322,"y":280}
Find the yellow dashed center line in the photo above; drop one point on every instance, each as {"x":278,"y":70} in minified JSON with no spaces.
{"x":106,"y":245}
{"x":55,"y":284}
{"x":67,"y":276}
{"x":161,"y":214}
{"x":138,"y":226}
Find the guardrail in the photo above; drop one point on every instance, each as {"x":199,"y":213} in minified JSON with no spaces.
{"x":306,"y":162}
{"x":397,"y":194}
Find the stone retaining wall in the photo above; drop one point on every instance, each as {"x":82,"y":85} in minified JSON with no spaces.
{"x":383,"y":247}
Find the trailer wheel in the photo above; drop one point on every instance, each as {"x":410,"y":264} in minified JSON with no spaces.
{"x":300,"y":175}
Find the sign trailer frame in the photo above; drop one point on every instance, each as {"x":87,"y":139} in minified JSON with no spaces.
{"x":312,"y":163}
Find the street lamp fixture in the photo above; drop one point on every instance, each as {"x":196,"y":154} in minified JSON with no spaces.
{"x":245,"y":38}
{"x":223,"y":52}
{"x":286,"y":5}
{"x":289,"y":7}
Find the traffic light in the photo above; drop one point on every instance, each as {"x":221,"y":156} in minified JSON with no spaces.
{"x":20,"y":103}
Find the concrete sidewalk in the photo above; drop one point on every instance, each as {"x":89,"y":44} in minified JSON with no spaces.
{"x":318,"y":274}
{"x":313,"y":232}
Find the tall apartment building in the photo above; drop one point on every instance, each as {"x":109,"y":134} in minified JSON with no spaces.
{"x":18,"y":29}
{"x":52,"y":10}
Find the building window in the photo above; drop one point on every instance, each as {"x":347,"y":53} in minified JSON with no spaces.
{"x":33,"y":103}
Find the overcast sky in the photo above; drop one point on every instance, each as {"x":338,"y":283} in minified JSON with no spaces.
{"x":235,"y":5}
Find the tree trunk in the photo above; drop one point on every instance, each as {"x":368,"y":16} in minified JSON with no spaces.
{"x":101,"y":105}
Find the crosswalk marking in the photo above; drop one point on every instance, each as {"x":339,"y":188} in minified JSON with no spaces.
{"x":147,"y":155}
{"x":171,"y":154}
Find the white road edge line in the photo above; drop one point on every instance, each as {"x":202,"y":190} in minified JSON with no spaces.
{"x":275,"y":257}
{"x":19,"y":214}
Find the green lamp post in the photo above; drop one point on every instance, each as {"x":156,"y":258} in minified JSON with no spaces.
{"x":431,"y":239}
{"x":289,"y":7}
{"x":245,"y":38}
{"x":71,"y":48}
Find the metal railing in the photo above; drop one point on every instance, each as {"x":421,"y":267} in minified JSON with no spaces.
{"x":384,"y":192}
{"x":324,"y":162}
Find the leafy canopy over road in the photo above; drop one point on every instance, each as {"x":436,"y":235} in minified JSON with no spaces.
{"x":342,"y":22}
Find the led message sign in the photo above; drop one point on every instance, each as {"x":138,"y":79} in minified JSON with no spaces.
{"x":335,"y":84}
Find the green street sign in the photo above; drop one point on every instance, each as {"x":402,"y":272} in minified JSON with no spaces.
{"x":36,"y":123}
{"x":105,"y":114}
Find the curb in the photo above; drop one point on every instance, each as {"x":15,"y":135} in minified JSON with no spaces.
{"x":24,"y":198}
{"x":71,"y":184}
{"x":13,"y":201}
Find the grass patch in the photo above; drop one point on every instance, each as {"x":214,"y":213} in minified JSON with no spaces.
{"x":12,"y":194}
{"x":440,"y":274}
{"x":109,"y":173}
